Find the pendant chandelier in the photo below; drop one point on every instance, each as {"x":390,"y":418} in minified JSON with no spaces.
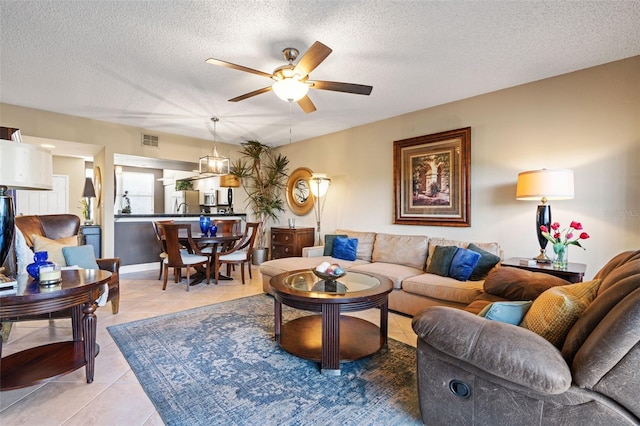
{"x":213,"y":164}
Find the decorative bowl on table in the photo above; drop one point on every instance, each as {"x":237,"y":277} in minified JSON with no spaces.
{"x":329,"y":272}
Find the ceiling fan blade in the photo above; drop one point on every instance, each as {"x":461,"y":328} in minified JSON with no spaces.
{"x":225,"y":64}
{"x":312,"y":58}
{"x":306,"y":105}
{"x":358,"y":89}
{"x":250,"y":94}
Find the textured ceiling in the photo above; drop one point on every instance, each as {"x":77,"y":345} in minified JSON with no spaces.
{"x":141,"y":63}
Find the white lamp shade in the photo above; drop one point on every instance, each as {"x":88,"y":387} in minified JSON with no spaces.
{"x":319,"y":184}
{"x":547,"y":184}
{"x":24,"y":166}
{"x":290,"y":89}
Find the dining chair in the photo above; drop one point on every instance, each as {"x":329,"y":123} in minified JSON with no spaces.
{"x":240,"y":253}
{"x":177,"y":258}
{"x":161,"y":242}
{"x":228,"y":226}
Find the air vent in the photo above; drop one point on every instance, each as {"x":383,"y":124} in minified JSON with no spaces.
{"x":149,"y":140}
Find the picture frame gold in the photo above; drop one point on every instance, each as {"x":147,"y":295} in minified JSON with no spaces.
{"x":299,"y":198}
{"x":431,"y":175}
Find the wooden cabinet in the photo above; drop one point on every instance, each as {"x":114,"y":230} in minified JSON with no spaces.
{"x":288,"y":242}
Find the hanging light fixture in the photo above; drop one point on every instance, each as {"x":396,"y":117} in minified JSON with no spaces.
{"x":212,"y":163}
{"x":290,"y":89}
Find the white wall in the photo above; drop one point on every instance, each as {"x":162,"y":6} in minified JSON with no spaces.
{"x":588,"y":121}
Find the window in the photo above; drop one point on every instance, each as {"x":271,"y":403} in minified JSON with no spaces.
{"x":139,"y":188}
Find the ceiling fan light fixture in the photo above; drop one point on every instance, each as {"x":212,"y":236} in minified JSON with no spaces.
{"x":290,"y":89}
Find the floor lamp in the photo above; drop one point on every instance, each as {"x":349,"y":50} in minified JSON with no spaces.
{"x":319,"y":185}
{"x":22,"y":166}
{"x":544,"y":185}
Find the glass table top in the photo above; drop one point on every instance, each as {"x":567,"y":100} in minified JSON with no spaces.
{"x":350,"y":283}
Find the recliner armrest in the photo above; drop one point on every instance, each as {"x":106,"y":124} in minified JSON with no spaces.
{"x":509,"y":352}
{"x":111,"y":264}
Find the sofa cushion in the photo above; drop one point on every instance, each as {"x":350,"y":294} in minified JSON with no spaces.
{"x":508,"y":312}
{"x":408,"y":250}
{"x":328,"y":243}
{"x":396,"y":273}
{"x":24,"y":254}
{"x":441,"y":260}
{"x":485,"y":264}
{"x":54,"y":247}
{"x":344,"y":248}
{"x":463,"y":263}
{"x":493,"y":248}
{"x":555,"y":311}
{"x":81,"y":256}
{"x":365,"y":242}
{"x":518,"y":284}
{"x":443,"y":288}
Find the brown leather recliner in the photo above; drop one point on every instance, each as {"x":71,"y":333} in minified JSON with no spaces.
{"x":475,"y":371}
{"x":57,"y":226}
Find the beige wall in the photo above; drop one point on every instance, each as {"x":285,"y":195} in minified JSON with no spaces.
{"x":588,"y":121}
{"x":74,"y":168}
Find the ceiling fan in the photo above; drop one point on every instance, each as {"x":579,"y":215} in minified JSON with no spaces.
{"x":292,"y":81}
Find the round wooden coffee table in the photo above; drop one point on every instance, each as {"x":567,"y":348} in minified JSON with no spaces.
{"x":329,"y":338}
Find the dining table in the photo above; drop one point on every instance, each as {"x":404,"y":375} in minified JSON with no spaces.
{"x":223,"y":240}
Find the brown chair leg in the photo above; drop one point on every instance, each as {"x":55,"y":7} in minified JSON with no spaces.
{"x":242,"y":272}
{"x":161,"y":266}
{"x":166,"y":275}
{"x":249,"y":266}
{"x":115,"y":304}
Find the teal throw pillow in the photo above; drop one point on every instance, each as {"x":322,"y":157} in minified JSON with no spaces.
{"x":509,"y":312}
{"x":485,"y":264}
{"x":463,"y":263}
{"x":441,"y":260}
{"x":345,"y":248}
{"x":82,"y":256}
{"x":328,"y":243}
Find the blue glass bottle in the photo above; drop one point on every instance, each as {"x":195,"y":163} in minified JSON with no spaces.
{"x":39,"y":259}
{"x":213,"y":230}
{"x":205,"y":221}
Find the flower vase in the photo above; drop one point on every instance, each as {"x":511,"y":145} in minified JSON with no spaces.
{"x":205,"y":221}
{"x":562,"y":256}
{"x":39,"y":259}
{"x":213,"y":230}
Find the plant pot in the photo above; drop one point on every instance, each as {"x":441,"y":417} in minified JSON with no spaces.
{"x":259,"y":255}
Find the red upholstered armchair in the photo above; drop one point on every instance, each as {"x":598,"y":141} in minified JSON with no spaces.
{"x":54,"y":227}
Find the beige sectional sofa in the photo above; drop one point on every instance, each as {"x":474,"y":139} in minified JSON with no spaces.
{"x":401,"y":258}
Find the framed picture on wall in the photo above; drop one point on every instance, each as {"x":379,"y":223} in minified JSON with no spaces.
{"x":431,"y":176}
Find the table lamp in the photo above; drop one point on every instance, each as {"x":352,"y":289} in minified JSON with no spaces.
{"x":319,"y":185}
{"x":229,"y":181}
{"x":25,"y":167}
{"x":544,"y":185}
{"x":88,"y":193}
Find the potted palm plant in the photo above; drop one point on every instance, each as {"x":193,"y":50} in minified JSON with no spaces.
{"x":263,"y":175}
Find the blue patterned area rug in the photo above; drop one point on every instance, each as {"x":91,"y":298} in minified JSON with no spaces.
{"x":220,"y":364}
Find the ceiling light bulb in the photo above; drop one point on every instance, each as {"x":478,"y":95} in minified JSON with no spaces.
{"x":290,"y":89}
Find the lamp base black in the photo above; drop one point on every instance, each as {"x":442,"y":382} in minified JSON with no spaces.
{"x":543,"y":218}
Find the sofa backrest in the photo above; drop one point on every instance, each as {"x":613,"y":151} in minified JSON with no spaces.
{"x":365,"y":242}
{"x":52,"y":226}
{"x":493,"y":248}
{"x":408,"y":250}
{"x":620,"y":277}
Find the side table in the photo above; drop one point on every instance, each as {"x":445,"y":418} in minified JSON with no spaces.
{"x":79,"y":291}
{"x":574,"y":272}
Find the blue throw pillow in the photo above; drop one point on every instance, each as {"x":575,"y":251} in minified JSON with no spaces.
{"x":463,"y":263}
{"x":82,"y":256}
{"x":328,"y":243}
{"x":509,"y":312}
{"x":345,"y":248}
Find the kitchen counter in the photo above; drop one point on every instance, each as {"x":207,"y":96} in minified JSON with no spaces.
{"x":135,"y":240}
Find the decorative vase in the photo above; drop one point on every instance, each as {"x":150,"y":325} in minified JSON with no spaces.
{"x":562,"y":254}
{"x":39,"y":259}
{"x":205,"y":221}
{"x":213,"y":229}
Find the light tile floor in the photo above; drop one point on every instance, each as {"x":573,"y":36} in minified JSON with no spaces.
{"x":115,"y":397}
